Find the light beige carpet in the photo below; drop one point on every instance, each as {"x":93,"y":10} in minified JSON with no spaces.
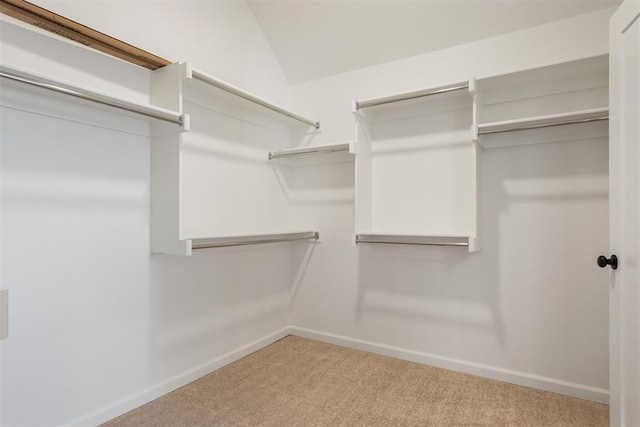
{"x":302,"y":382}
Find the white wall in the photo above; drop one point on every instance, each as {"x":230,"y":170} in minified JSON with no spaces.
{"x":533,"y":300}
{"x":97,"y":324}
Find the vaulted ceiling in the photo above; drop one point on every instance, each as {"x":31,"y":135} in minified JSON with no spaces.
{"x":313,"y":38}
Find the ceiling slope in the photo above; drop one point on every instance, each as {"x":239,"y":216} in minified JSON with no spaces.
{"x":314,"y":39}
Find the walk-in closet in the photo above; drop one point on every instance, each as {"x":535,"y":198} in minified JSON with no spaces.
{"x":297,"y":213}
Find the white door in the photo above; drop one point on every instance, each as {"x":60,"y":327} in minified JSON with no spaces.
{"x":624,"y":219}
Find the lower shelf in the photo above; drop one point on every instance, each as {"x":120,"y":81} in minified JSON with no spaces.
{"x":219,"y":242}
{"x":415,"y":239}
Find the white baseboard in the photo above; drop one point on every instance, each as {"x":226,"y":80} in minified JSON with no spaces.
{"x":514,"y":377}
{"x":138,"y":399}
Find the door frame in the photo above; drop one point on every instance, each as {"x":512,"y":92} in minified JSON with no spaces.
{"x":623,"y":342}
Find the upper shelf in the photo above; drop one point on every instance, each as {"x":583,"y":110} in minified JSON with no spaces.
{"x":237,"y":92}
{"x":543,"y":91}
{"x":332,"y":153}
{"x":565,"y":101}
{"x":565,"y":73}
{"x":452,"y":96}
{"x":411,"y":95}
{"x":65,"y":88}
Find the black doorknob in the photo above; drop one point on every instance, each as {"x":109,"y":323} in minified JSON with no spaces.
{"x":603,"y":261}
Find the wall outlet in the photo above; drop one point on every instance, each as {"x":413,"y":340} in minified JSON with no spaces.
{"x":4,"y":314}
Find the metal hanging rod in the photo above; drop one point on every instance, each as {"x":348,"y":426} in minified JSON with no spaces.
{"x":393,"y":242}
{"x":98,"y":98}
{"x":308,"y":151}
{"x":220,"y":242}
{"x":412,"y":240}
{"x":522,"y":126}
{"x":412,"y":95}
{"x":203,"y":77}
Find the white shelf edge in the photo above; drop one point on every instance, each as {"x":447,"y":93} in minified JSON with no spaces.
{"x":482,"y":78}
{"x":180,"y":247}
{"x":220,"y":84}
{"x":312,"y":150}
{"x":371,"y":102}
{"x":528,"y":123}
{"x":88,"y":94}
{"x":254,"y":239}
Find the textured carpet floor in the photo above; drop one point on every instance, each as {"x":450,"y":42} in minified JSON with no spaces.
{"x":302,"y":382}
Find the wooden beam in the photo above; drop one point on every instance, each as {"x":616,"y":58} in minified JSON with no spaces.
{"x":49,"y":21}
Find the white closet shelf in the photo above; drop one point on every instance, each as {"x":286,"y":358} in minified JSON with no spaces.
{"x":411,"y":95}
{"x":243,"y":240}
{"x":217,"y":83}
{"x":65,"y":88}
{"x":414,"y":119}
{"x":573,"y":117}
{"x":558,"y":71}
{"x":330,"y":152}
{"x":173,"y":199}
{"x":414,"y":239}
